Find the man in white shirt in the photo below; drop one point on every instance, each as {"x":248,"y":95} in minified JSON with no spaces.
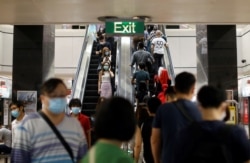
{"x":17,"y":111}
{"x":157,"y":48}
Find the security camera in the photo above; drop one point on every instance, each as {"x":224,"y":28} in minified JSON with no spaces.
{"x":243,"y":61}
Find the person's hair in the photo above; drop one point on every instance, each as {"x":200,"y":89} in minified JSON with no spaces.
{"x":115,"y":121}
{"x":210,"y":96}
{"x":75,"y":102}
{"x":17,"y":103}
{"x":101,"y":37}
{"x":158,"y":33}
{"x":170,"y":92}
{"x":184,"y":82}
{"x":142,"y":66}
{"x":50,"y":85}
{"x":105,"y":49}
{"x":140,"y":45}
{"x":153,"y":104}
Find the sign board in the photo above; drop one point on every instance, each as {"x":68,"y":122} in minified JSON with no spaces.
{"x":124,"y":27}
{"x":232,"y":119}
{"x":29,"y":98}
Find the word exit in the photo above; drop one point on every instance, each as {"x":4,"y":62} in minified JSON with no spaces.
{"x":121,"y":27}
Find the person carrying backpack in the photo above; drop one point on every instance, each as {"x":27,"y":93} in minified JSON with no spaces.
{"x":211,"y":140}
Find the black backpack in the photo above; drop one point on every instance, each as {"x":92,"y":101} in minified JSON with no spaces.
{"x":208,"y":147}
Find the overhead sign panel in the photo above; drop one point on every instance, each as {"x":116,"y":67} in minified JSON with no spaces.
{"x":125,"y":27}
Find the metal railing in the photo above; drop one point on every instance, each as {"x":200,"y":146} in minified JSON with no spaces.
{"x":80,"y":79}
{"x":124,"y":87}
{"x":167,"y":60}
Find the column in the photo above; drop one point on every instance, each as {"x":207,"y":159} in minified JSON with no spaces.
{"x":33,"y":57}
{"x":217,"y":56}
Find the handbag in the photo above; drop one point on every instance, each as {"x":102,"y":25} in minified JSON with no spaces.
{"x":59,"y":136}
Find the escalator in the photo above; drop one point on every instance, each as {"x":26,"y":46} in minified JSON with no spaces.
{"x":167,"y":59}
{"x":85,"y":71}
{"x":91,"y":95}
{"x":85,"y":86}
{"x":91,"y":89}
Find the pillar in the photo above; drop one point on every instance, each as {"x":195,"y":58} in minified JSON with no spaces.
{"x":33,"y":57}
{"x":217,"y":56}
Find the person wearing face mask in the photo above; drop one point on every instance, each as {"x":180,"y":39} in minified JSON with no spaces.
{"x":75,"y":107}
{"x":212,"y":131}
{"x":104,"y":81}
{"x":17,"y":111}
{"x":36,"y":141}
{"x":106,"y":55}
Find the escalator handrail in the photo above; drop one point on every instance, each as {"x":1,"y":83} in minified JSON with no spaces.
{"x":79,"y":62}
{"x":167,"y":59}
{"x":82,"y":69}
{"x":117,"y":84}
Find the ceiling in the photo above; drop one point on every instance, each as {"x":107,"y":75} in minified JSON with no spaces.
{"x":161,"y":11}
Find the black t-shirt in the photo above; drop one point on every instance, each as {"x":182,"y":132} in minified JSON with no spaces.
{"x":146,"y":129}
{"x":236,"y":141}
{"x":100,"y":46}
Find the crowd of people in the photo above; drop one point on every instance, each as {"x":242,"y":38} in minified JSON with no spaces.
{"x":167,"y":127}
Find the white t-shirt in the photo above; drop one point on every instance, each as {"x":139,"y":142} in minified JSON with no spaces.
{"x":14,"y":125}
{"x":159,"y":44}
{"x":5,"y":136}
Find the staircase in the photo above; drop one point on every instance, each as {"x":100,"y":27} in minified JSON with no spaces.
{"x":91,"y":89}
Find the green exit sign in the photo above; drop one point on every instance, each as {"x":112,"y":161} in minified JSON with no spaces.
{"x":124,"y":27}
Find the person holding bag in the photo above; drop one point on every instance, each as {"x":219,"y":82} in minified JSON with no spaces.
{"x":50,"y":135}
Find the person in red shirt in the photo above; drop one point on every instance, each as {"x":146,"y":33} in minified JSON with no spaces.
{"x":75,"y":107}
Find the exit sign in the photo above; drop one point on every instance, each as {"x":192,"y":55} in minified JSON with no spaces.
{"x":124,"y":27}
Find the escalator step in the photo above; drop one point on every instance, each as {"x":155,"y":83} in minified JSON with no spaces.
{"x":90,"y":99}
{"x":94,"y":61}
{"x":92,"y":87}
{"x":89,"y":106}
{"x":92,"y":76}
{"x":92,"y":81}
{"x":93,"y":66}
{"x":92,"y":71}
{"x":91,"y":93}
{"x":94,"y":56}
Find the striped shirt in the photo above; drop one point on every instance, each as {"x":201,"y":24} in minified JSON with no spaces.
{"x":36,"y":142}
{"x":14,"y":125}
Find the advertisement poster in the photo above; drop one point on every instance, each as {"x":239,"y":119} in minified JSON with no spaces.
{"x":29,"y":98}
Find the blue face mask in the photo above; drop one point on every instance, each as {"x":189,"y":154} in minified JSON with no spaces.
{"x":106,"y":53}
{"x":57,"y":105}
{"x":15,"y":113}
{"x":76,"y":110}
{"x":105,"y":67}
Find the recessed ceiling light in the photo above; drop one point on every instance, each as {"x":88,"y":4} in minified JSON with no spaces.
{"x":104,"y":18}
